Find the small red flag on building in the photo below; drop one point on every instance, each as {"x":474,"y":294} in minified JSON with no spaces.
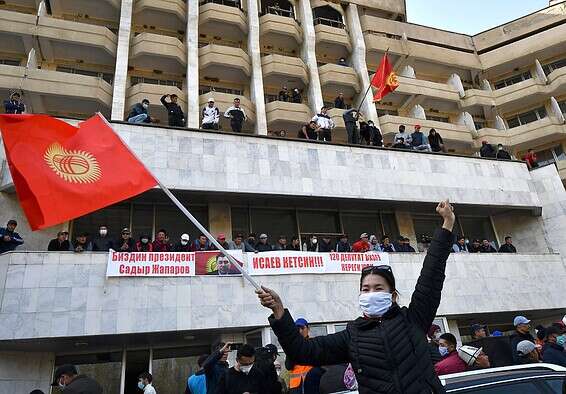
{"x":62,"y":172}
{"x":385,"y":79}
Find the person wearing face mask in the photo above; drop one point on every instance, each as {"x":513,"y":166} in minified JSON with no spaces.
{"x":244,"y":377}
{"x":183,"y":245}
{"x":145,"y":383}
{"x":102,"y":242}
{"x":553,"y":349}
{"x":69,"y":381}
{"x":139,"y":113}
{"x":451,"y":362}
{"x":143,"y":245}
{"x":434,"y":334}
{"x":387,"y":345}
{"x":311,"y":245}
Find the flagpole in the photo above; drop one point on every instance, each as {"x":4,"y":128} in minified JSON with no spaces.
{"x":194,"y":220}
{"x":369,"y":87}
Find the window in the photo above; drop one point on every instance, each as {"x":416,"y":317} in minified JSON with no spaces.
{"x":526,"y":117}
{"x":318,"y":331}
{"x":73,"y":70}
{"x":426,"y":225}
{"x":562,"y":105}
{"x":555,"y":385}
{"x":548,"y":68}
{"x":319,"y":222}
{"x":512,"y":80}
{"x":442,"y":119}
{"x":116,"y":217}
{"x":357,"y":223}
{"x":142,"y":221}
{"x":476,"y":228}
{"x":105,"y":368}
{"x":389,"y":223}
{"x":204,"y":89}
{"x":10,"y":62}
{"x":551,"y":155}
{"x":240,"y":221}
{"x":513,"y":388}
{"x":171,"y":367}
{"x":273,"y":222}
{"x":340,"y":327}
{"x":169,"y":218}
{"x":153,"y":81}
{"x":383,"y":112}
{"x":254,"y":339}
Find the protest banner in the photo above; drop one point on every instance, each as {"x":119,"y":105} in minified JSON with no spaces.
{"x":291,"y":262}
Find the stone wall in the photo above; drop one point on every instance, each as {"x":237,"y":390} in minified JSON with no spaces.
{"x":22,"y":372}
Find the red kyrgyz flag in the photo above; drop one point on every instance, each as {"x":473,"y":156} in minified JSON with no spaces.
{"x":62,"y":172}
{"x":385,"y":79}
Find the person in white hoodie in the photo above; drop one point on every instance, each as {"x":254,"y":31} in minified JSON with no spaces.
{"x":325,"y":125}
{"x":210,"y":116}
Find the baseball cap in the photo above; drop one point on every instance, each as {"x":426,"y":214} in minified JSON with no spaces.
{"x":185,"y":237}
{"x":221,"y":236}
{"x":262,"y":236}
{"x":496,"y":333}
{"x":210,"y":100}
{"x":417,"y":126}
{"x":65,"y":369}
{"x":271,"y":349}
{"x":520,"y":320}
{"x":525,"y":347}
{"x":364,"y":235}
{"x":125,"y":230}
{"x":469,"y":354}
{"x":475,"y":327}
{"x":301,"y":322}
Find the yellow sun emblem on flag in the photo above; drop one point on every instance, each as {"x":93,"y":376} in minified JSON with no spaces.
{"x":73,"y":166}
{"x":392,"y":80}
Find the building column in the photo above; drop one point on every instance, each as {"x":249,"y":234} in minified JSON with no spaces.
{"x":220,"y":219}
{"x":122,"y":57}
{"x":358,"y":61}
{"x":308,"y":54}
{"x":406,"y":226}
{"x":193,"y":104}
{"x":454,"y":330}
{"x":256,"y":86}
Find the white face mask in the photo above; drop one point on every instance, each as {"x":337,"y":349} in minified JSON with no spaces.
{"x":375,"y":304}
{"x":103,"y":232}
{"x":145,"y":105}
{"x":246,"y":368}
{"x":184,"y":242}
{"x":314,"y":240}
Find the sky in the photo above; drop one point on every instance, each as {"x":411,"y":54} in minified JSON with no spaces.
{"x":469,"y":16}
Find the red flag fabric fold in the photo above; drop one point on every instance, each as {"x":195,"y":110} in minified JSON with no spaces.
{"x":384,"y":79}
{"x":61,"y":172}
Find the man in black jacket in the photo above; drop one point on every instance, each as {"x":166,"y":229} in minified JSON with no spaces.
{"x":387,"y":346}
{"x":487,"y":150}
{"x":70,"y":382}
{"x":350,"y":118}
{"x":59,"y":244}
{"x":237,"y":116}
{"x":508,"y":246}
{"x":244,"y":377}
{"x":502,"y":154}
{"x":522,"y":328}
{"x":175,"y":114}
{"x":215,"y":366}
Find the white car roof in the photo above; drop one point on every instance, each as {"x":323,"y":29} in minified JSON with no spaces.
{"x":550,"y":367}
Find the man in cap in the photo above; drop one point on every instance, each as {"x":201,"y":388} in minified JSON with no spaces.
{"x":14,"y":105}
{"x":522,"y":327}
{"x":175,"y":114}
{"x":69,"y":381}
{"x":262,"y":245}
{"x":298,"y":373}
{"x":362,"y":245}
{"x":478,"y":331}
{"x":9,"y":238}
{"x":126,"y":242}
{"x":210,"y":116}
{"x":527,"y":353}
{"x":183,"y":245}
{"x":474,"y":357}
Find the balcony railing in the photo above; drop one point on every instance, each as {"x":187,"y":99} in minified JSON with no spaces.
{"x":329,"y":22}
{"x":217,"y":89}
{"x":108,"y":77}
{"x":154,"y":81}
{"x":229,"y":3}
{"x":228,"y":43}
{"x":274,"y":10}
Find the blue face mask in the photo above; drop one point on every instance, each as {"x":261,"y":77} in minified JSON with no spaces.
{"x":141,"y":385}
{"x":561,"y":340}
{"x":443,"y":351}
{"x":376,"y":303}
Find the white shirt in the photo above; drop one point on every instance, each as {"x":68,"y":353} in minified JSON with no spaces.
{"x":149,"y":389}
{"x":324,"y":121}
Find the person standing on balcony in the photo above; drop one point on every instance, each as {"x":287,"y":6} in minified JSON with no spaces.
{"x":14,"y":105}
{"x":161,"y":244}
{"x":125,"y":243}
{"x":139,"y":113}
{"x":324,"y":124}
{"x":339,"y":101}
{"x":376,"y":138}
{"x":460,"y":246}
{"x":487,"y":247}
{"x":283,"y":95}
{"x":342,"y":62}
{"x":435,"y":141}
{"x":487,"y":150}
{"x":296,"y":96}
{"x":9,"y":238}
{"x":210,"y":116}
{"x":343,"y":246}
{"x":102,"y":243}
{"x":418,"y":140}
{"x":402,"y":138}
{"x":502,"y":154}
{"x":59,"y":244}
{"x":175,"y":114}
{"x":237,"y":116}
{"x":362,"y":245}
{"x":508,"y":246}
{"x":531,"y":159}
{"x":384,"y":360}
{"x":350,"y":118}
{"x":308,"y":131}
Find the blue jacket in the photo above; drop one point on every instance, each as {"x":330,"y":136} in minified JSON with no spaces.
{"x":14,"y":107}
{"x":214,"y":369}
{"x":554,"y":354}
{"x":6,"y":246}
{"x":138,"y":109}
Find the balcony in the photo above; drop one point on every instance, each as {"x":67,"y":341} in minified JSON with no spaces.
{"x":136,"y":93}
{"x":36,"y":281}
{"x":339,"y":78}
{"x":276,"y":27}
{"x":457,"y":135}
{"x":17,"y":25}
{"x":59,"y":37}
{"x":526,"y":136}
{"x":287,"y":68}
{"x":145,"y":47}
{"x":328,"y":37}
{"x":420,"y":87}
{"x":222,"y":17}
{"x":170,"y":14}
{"x":279,"y":111}
{"x":224,"y":101}
{"x":225,"y":62}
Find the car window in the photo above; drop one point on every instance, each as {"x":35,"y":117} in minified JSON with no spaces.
{"x":508,"y":388}
{"x":555,"y":385}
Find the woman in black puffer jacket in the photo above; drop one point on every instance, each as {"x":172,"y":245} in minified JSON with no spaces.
{"x":387,"y":346}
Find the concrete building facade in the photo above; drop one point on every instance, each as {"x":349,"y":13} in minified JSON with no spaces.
{"x":71,"y":59}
